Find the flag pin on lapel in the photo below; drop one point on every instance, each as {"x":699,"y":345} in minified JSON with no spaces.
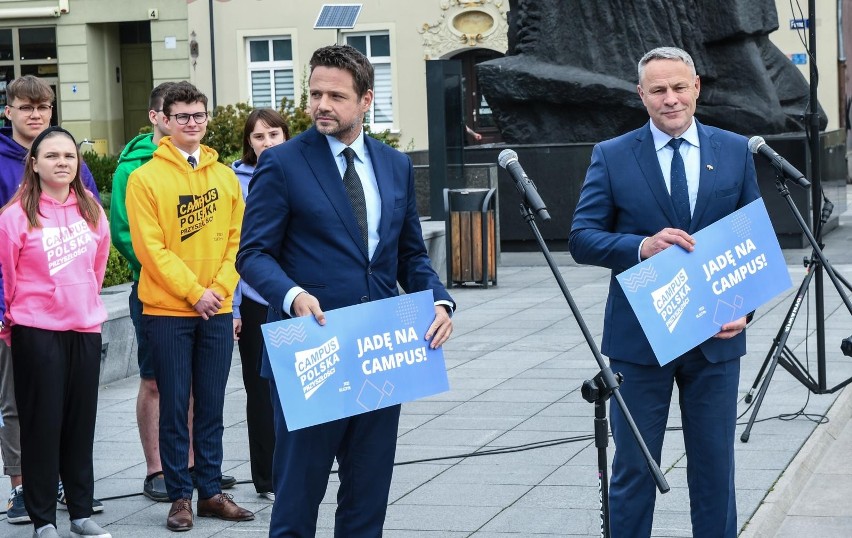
{"x":709,"y":167}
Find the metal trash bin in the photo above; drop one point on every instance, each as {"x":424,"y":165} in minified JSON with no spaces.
{"x":471,"y":236}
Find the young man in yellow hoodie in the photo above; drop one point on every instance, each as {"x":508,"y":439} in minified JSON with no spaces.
{"x":185,"y":210}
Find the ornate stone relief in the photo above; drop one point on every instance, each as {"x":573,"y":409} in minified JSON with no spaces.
{"x":466,"y":24}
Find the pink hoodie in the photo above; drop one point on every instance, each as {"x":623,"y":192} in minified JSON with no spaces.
{"x":52,"y":275}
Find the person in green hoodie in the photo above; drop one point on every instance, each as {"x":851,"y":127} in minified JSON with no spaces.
{"x":136,"y":153}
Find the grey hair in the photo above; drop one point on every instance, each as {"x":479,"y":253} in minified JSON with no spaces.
{"x":665,"y":53}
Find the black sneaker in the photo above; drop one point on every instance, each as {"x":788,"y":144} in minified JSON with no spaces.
{"x":154,"y":488}
{"x":16,"y":511}
{"x":226,"y":482}
{"x":62,"y":503}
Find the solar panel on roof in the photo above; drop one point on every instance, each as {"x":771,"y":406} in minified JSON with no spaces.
{"x":338,"y":16}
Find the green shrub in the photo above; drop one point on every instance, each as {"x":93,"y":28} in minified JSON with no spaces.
{"x":117,"y":270}
{"x":102,"y":168}
{"x":297,"y":117}
{"x":106,"y":202}
{"x":225,"y":130}
{"x":385,"y":136}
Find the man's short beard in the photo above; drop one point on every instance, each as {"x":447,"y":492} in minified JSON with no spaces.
{"x":341,"y":129}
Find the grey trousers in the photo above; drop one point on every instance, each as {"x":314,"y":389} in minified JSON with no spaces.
{"x":10,"y":433}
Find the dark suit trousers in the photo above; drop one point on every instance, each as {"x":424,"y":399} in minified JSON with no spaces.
{"x":191,"y":355}
{"x":708,"y":404}
{"x":56,"y":389}
{"x":261,"y":431}
{"x":364,"y":446}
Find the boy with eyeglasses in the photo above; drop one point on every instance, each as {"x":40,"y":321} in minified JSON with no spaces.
{"x":136,"y":153}
{"x":185,"y":211}
{"x":29,"y":108}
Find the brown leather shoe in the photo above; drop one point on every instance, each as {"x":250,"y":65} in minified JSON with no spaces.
{"x":180,"y":515}
{"x":223,"y":507}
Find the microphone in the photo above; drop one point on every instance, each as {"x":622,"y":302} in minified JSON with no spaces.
{"x":757,"y":144}
{"x":508,"y":159}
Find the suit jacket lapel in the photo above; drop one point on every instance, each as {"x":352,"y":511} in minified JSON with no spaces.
{"x":384,"y":179}
{"x":710,"y":150}
{"x":318,"y":156}
{"x":646,"y":156}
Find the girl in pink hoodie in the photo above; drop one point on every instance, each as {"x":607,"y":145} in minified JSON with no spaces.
{"x":54,"y":245}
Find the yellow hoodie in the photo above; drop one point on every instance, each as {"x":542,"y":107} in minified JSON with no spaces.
{"x":185,"y":230}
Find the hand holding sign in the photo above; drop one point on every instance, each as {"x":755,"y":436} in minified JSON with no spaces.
{"x":364,"y":357}
{"x":683,"y":298}
{"x":664,"y":239}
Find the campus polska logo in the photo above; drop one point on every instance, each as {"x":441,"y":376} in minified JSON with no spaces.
{"x":194,"y":212}
{"x":316,"y":365}
{"x":671,"y":300}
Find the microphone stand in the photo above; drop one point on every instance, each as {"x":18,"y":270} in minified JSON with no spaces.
{"x":598,"y":390}
{"x":780,"y":353}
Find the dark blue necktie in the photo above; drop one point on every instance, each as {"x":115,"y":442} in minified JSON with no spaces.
{"x":192,"y":162}
{"x":679,"y":190}
{"x":355,"y":192}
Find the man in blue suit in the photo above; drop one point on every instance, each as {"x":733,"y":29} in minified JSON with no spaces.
{"x":331,"y":221}
{"x":644,"y":192}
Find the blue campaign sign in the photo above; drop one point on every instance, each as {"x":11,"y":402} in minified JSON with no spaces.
{"x":683,"y":298}
{"x":366,"y":357}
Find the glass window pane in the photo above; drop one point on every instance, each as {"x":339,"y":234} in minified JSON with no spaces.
{"x":283,"y":85}
{"x":382,"y":100}
{"x":380,"y":45}
{"x":7,"y":74}
{"x":41,"y":70}
{"x":261,"y":89}
{"x":37,"y":43}
{"x":6,"y":45}
{"x":282,"y":50}
{"x":259,"y":51}
{"x":359,"y":42}
{"x":484,"y":115}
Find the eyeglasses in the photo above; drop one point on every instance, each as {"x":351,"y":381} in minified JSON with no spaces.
{"x":183,"y":119}
{"x":29,"y":109}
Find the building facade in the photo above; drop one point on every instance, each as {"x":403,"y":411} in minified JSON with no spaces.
{"x":104,"y":56}
{"x":262,"y":49}
{"x":101,"y":56}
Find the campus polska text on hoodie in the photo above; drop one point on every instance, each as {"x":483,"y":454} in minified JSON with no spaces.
{"x":52,"y":275}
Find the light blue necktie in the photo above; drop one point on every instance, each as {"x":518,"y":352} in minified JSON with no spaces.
{"x":680,"y":192}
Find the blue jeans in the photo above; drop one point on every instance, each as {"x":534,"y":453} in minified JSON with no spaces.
{"x":143,"y":352}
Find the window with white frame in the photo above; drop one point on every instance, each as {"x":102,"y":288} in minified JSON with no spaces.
{"x":270,"y":70}
{"x":376,"y":47}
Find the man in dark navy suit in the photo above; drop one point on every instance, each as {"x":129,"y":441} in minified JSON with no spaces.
{"x":644,"y":192}
{"x":331,"y":221}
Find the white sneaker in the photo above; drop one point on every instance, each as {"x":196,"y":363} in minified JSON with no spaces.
{"x":49,"y":532}
{"x":268,"y":495}
{"x":89,"y":529}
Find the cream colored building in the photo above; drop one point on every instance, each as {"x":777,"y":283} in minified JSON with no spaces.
{"x":103,"y":56}
{"x":790,"y":41}
{"x":397,"y":35}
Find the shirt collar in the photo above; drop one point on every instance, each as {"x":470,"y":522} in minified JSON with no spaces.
{"x":196,"y":154}
{"x":661,"y":138}
{"x":358,"y":146}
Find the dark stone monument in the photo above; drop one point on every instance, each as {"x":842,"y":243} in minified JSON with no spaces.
{"x":570,"y":75}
